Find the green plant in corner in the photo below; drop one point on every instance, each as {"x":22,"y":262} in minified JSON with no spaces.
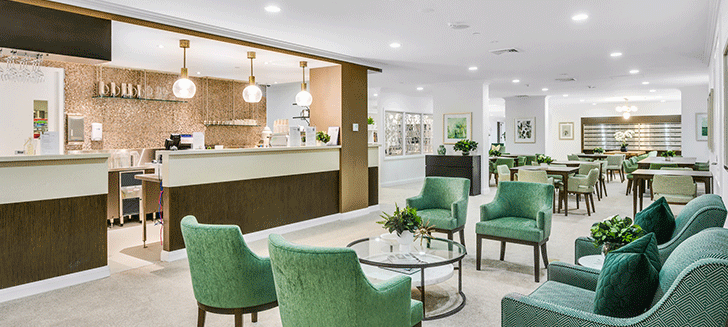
{"x":668,"y":153}
{"x":615,"y":232}
{"x":323,"y":137}
{"x":544,"y":159}
{"x":598,"y":150}
{"x":401,"y":220}
{"x":465,"y":146}
{"x":370,"y":121}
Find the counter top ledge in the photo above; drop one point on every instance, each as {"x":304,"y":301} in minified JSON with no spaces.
{"x":248,"y":150}
{"x":22,"y":158}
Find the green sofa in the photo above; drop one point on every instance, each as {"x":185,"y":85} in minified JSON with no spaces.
{"x":692,"y":291}
{"x":227,"y":278}
{"x":703,"y":212}
{"x":319,"y":286}
{"x":443,"y":204}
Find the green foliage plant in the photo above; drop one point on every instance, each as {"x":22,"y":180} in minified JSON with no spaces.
{"x":598,"y":150}
{"x":615,"y":230}
{"x":323,"y":137}
{"x":669,"y":153}
{"x":465,"y":146}
{"x":544,"y":159}
{"x":402,"y":220}
{"x":370,"y":121}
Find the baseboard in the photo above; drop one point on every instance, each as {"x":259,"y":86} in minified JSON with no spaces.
{"x":360,"y":212}
{"x":50,"y":284}
{"x":402,"y":182}
{"x":169,"y":256}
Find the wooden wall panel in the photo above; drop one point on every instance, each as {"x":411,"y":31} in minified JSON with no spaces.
{"x":253,"y":205}
{"x":354,"y":146}
{"x":44,"y":239}
{"x":373,"y":186}
{"x":325,"y":87}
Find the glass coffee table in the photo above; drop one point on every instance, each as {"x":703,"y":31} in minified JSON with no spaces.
{"x":428,"y":263}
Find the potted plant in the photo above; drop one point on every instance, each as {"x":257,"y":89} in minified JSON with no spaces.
{"x":598,"y":150}
{"x":622,"y":138}
{"x":406,"y":223}
{"x":544,"y":159}
{"x":466,"y":146}
{"x":615,"y":232}
{"x":494,"y":151}
{"x":668,"y":155}
{"x":322,"y":138}
{"x":370,"y":121}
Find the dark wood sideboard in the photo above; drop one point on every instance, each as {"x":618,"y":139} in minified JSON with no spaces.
{"x":455,"y":166}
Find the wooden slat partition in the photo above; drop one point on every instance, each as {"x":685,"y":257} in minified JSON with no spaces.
{"x":651,"y":132}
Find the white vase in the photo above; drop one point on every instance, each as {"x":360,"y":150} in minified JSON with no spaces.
{"x":405,"y":240}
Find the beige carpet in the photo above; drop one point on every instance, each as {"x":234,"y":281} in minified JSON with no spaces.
{"x":160,"y":294}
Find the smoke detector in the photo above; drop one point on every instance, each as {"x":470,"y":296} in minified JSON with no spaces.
{"x":498,"y":52}
{"x":458,"y":25}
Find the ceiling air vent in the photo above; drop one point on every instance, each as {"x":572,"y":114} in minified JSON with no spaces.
{"x":522,"y":96}
{"x":499,"y":52}
{"x":566,"y":79}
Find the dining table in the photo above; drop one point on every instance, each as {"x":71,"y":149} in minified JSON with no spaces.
{"x":641,"y":176}
{"x":627,"y":154}
{"x":564,"y":172}
{"x":679,"y":161}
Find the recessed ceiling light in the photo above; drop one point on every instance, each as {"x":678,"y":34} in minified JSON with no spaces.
{"x":653,"y":91}
{"x":375,"y":95}
{"x":566,"y":95}
{"x":645,"y":83}
{"x":198,"y":73}
{"x":265,"y":63}
{"x":544,"y":89}
{"x":516,"y":81}
{"x":594,"y":103}
{"x":420,"y":88}
{"x":275,"y":82}
{"x":634,"y":71}
{"x":272,"y":8}
{"x":395,"y":45}
{"x":616,"y":54}
{"x":662,"y":101}
{"x":658,"y":97}
{"x":472,"y":68}
{"x":579,"y":17}
{"x":582,"y":100}
{"x":161,"y":46}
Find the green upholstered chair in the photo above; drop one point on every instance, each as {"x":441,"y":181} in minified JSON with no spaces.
{"x":227,"y":278}
{"x":503,"y":161}
{"x":519,"y":213}
{"x":602,"y":185}
{"x":691,"y":291}
{"x":659,"y":165}
{"x":675,"y":189}
{"x":702,"y":166}
{"x":572,"y":157}
{"x":443,"y":204}
{"x":501,"y":147}
{"x":537,"y":176}
{"x":614,"y":164}
{"x":582,"y":185}
{"x":504,"y":174}
{"x":530,"y":159}
{"x":320,"y":286}
{"x":703,"y":212}
{"x":652,"y":154}
{"x":628,"y":166}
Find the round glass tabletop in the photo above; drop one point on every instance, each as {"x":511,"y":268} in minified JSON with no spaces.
{"x":384,"y":251}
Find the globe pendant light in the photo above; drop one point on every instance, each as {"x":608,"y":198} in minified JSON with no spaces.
{"x":252,"y":93}
{"x":184,"y":88}
{"x":626,"y":110}
{"x":304,"y":98}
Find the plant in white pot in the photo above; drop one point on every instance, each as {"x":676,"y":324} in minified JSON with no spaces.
{"x":622,"y":138}
{"x":465,"y":146}
{"x":615,"y":232}
{"x":322,"y":138}
{"x":407,"y":224}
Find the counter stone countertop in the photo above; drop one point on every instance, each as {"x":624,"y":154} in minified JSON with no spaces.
{"x":21,"y":158}
{"x":148,"y":177}
{"x":142,"y":167}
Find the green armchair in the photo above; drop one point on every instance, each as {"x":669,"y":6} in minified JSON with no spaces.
{"x":510,"y":162}
{"x":443,"y":204}
{"x":582,"y":185}
{"x":703,"y":212}
{"x":326,"y":287}
{"x":691,"y":291}
{"x":227,"y":278}
{"x":675,"y":189}
{"x":629,"y":166}
{"x":614,"y":163}
{"x":520,"y":213}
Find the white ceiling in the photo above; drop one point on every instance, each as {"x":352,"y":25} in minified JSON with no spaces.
{"x":667,"y":40}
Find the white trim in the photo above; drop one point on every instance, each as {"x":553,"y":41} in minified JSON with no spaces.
{"x":359,"y":213}
{"x":169,"y":256}
{"x":50,"y":284}
{"x":402,"y":182}
{"x":406,"y":156}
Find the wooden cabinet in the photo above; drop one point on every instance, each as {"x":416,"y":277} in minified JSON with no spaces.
{"x":455,"y":166}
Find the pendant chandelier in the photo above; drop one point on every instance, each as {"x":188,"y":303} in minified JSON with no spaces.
{"x":252,"y":93}
{"x":304,"y":98}
{"x":184,"y":88}
{"x":626,"y":109}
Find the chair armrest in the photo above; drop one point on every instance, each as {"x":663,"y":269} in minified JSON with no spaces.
{"x":519,"y":310}
{"x":584,"y":246}
{"x":582,"y":277}
{"x":388,"y":303}
{"x":417,"y":202}
{"x":460,"y":211}
{"x":543,"y":221}
{"x":492,"y":210}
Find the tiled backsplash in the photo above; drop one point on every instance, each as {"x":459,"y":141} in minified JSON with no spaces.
{"x":131,"y":123}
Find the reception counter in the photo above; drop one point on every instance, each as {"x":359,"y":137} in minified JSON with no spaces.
{"x":52,"y":221}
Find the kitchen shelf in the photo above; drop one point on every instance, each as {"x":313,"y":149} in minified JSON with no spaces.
{"x":138,"y":99}
{"x":229,"y":123}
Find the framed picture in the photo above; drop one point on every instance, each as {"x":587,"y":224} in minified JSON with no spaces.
{"x":525,"y":130}
{"x":457,"y":127}
{"x":566,"y":131}
{"x":701,"y":126}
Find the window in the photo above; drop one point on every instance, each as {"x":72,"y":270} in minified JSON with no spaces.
{"x":407,"y":133}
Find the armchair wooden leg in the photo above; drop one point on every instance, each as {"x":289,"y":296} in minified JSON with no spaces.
{"x":536,"y":259}
{"x":629,"y":186}
{"x":586,"y":200}
{"x":604,"y":185}
{"x":200,"y":317}
{"x":462,"y":236}
{"x":544,"y":255}
{"x":503,"y":250}
{"x":478,"y":242}
{"x":577,"y":200}
{"x":449,"y":235}
{"x":591,"y":197}
{"x":239,"y":319}
{"x":254,"y":317}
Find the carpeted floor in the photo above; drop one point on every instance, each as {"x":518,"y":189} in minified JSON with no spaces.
{"x":160,"y":294}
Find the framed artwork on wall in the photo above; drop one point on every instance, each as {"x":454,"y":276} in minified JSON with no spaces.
{"x":701,"y":126}
{"x":456,"y":127}
{"x":566,"y":131}
{"x":525,"y":130}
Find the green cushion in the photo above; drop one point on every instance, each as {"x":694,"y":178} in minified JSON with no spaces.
{"x":438,"y":218}
{"x":657,"y":218}
{"x":565,"y":295}
{"x":511,"y":227}
{"x":628,"y":279}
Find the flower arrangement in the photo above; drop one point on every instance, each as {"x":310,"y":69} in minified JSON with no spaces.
{"x":465,"y":146}
{"x":598,"y":150}
{"x":405,"y":220}
{"x":668,"y":154}
{"x":323,"y":137}
{"x":615,"y":232}
{"x":622,"y":137}
{"x":544,"y":159}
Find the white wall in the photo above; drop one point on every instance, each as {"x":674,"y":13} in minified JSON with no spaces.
{"x":530,"y":107}
{"x":717,"y":77}
{"x":16,"y":109}
{"x":400,"y":169}
{"x":694,"y":100}
{"x":279,"y":103}
{"x":559,"y":112}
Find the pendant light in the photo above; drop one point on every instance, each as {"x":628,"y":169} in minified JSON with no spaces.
{"x":626,"y":110}
{"x":252,"y":93}
{"x":304,"y":98}
{"x":184,"y":88}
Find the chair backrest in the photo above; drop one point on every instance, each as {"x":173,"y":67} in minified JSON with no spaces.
{"x":525,"y":199}
{"x":592,"y":177}
{"x":652,"y":154}
{"x":572,"y":157}
{"x":707,"y":210}
{"x":521,"y":160}
{"x":320,"y":286}
{"x":680,"y":185}
{"x":225,"y":273}
{"x":502,"y":147}
{"x":603,"y":165}
{"x":533,"y":176}
{"x":442,"y":192}
{"x":503,"y":170}
{"x":615,"y":159}
{"x":530,"y":159}
{"x":585,"y":168}
{"x":504,"y":161}
{"x":659,"y":165}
